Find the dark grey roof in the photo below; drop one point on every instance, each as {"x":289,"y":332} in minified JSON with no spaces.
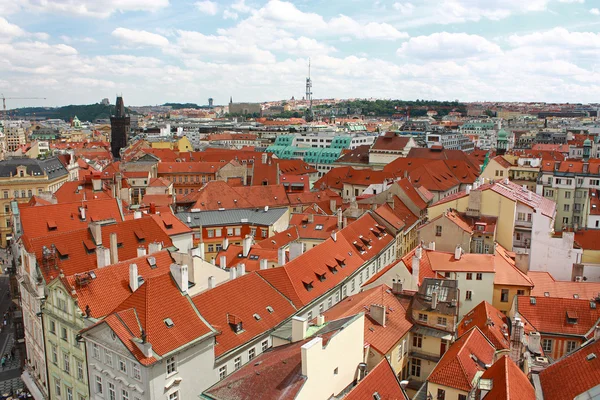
{"x":51,"y":167}
{"x":446,"y":290}
{"x":232,"y":217}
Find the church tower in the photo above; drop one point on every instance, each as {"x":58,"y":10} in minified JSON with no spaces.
{"x":120,"y":126}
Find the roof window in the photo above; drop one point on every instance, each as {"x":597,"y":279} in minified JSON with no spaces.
{"x":270,"y":309}
{"x":169,"y":322}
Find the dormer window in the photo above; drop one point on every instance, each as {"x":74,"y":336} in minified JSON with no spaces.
{"x":572,"y":317}
{"x":333,"y":269}
{"x":321,"y":276}
{"x":235,"y":323}
{"x":341,"y":261}
{"x":308,"y":285}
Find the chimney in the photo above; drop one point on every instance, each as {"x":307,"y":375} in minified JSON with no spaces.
{"x":468,"y":189}
{"x":82,"y":213}
{"x":201,"y":250}
{"x":232,"y":273}
{"x":529,"y":195}
{"x":145,"y":347}
{"x":180,"y":275}
{"x":141,"y":251}
{"x":333,"y":206}
{"x":377,"y":312}
{"x":246,"y":244}
{"x":264,"y":263}
{"x":134,"y":282}
{"x":264,"y":158}
{"x":102,"y":256}
{"x":96,"y":182}
{"x":281,"y":256}
{"x":225,"y":243}
{"x":96,"y":230}
{"x":432,"y":246}
{"x":154,"y":247}
{"x":223,"y":262}
{"x":434,"y":300}
{"x":320,"y":320}
{"x":419,"y":252}
{"x":396,"y":286}
{"x":311,"y":218}
{"x":334,"y":236}
{"x":153,"y":208}
{"x":241,"y":269}
{"x":137,"y":214}
{"x":416,"y":264}
{"x":299,"y":327}
{"x":340,"y":218}
{"x":345,"y":223}
{"x":211,"y":282}
{"x":597,"y":333}
{"x":457,"y":252}
{"x":311,"y":354}
{"x":296,"y":249}
{"x":114,"y":252}
{"x":534,"y":341}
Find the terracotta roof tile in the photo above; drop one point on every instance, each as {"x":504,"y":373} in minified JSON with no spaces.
{"x":492,"y":323}
{"x":381,"y":338}
{"x":508,"y":381}
{"x":279,"y":239}
{"x":381,"y":380}
{"x":572,"y":375}
{"x":458,"y":368}
{"x":549,"y":314}
{"x":246,"y":296}
{"x":544,"y":283}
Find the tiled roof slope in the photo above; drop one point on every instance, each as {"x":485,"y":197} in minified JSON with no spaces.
{"x":59,"y":218}
{"x":308,"y":230}
{"x":381,"y":380}
{"x":239,"y":300}
{"x":490,"y":321}
{"x":572,"y":375}
{"x":508,"y":381}
{"x":544,"y":283}
{"x":218,"y":194}
{"x":280,"y":239}
{"x":91,"y":289}
{"x":381,"y":338}
{"x":323,"y":267}
{"x":457,"y":368}
{"x":549,"y":314}
{"x":76,"y":250}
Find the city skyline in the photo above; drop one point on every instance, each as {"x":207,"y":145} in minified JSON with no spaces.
{"x":158,"y":51}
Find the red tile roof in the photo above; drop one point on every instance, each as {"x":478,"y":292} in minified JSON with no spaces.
{"x":508,"y":381}
{"x":308,"y":230}
{"x":66,"y":216}
{"x":170,"y":224}
{"x":381,"y":380}
{"x":76,"y":250}
{"x":382,"y":338}
{"x":386,"y":212}
{"x":234,"y":257}
{"x":301,"y":280}
{"x":588,"y":239}
{"x":457,"y":368}
{"x":412,"y":193}
{"x":390,"y":142}
{"x":91,"y":289}
{"x":425,"y":270}
{"x":549,"y":314}
{"x":157,"y":299}
{"x":544,"y":283}
{"x":246,"y":296}
{"x":74,"y":191}
{"x":218,"y":194}
{"x":165,"y":168}
{"x":279,"y":239}
{"x":492,"y":323}
{"x":572,"y":375}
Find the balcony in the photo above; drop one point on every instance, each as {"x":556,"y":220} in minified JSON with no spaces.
{"x":424,"y":355}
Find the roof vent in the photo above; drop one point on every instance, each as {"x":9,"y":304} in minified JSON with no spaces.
{"x":270,"y":309}
{"x":532,"y":301}
{"x":169,"y":322}
{"x":256,"y":317}
{"x":590,"y":357}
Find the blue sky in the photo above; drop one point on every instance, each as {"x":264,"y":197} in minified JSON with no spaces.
{"x":156,"y":51}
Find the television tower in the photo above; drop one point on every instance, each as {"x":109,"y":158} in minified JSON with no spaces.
{"x":309,"y":110}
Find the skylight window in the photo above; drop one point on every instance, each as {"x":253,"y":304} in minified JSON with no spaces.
{"x":169,"y":322}
{"x":319,"y":227}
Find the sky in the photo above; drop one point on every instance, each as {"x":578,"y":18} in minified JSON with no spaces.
{"x":157,"y":51}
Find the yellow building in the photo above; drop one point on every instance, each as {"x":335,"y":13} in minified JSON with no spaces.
{"x":21,"y":178}
{"x":180,"y":144}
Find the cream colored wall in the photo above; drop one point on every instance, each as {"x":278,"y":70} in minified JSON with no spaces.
{"x":493,"y":204}
{"x":489,"y":173}
{"x":451,"y":236}
{"x":398,"y":364}
{"x":344,"y":351}
{"x":512,"y":292}
{"x":591,"y":257}
{"x":451,"y":393}
{"x":458,"y":204}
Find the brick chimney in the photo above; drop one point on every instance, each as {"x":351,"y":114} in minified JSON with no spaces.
{"x":114,"y":251}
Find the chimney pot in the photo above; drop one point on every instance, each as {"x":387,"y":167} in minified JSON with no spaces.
{"x":211,"y":282}
{"x":246,"y":245}
{"x":457,"y":252}
{"x":180,"y":274}
{"x":264,"y":263}
{"x":134,"y":282}
{"x":114,"y":251}
{"x":223,"y":262}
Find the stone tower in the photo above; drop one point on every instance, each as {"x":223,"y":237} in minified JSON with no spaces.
{"x":119,"y":129}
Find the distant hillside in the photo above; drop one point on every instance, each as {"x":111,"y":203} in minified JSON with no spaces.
{"x":85,"y":112}
{"x":391,"y":107}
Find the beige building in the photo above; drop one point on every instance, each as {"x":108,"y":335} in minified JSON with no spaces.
{"x":21,"y":178}
{"x":15,"y":137}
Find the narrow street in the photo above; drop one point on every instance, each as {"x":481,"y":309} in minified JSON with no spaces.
{"x":10,"y":374}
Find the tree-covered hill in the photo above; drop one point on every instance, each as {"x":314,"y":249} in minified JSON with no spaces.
{"x":85,"y":112}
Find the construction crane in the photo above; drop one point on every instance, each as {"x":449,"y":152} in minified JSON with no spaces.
{"x":15,"y":98}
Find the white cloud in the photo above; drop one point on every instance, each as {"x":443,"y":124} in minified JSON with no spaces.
{"x":344,"y":25}
{"x":87,"y":8}
{"x":241,"y":7}
{"x":444,"y":45}
{"x":404,"y":8}
{"x":595,"y":11}
{"x":230,"y":15}
{"x":207,"y":7}
{"x":302,"y":46}
{"x":130,"y":37}
{"x":8,"y":30}
{"x":572,"y":1}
